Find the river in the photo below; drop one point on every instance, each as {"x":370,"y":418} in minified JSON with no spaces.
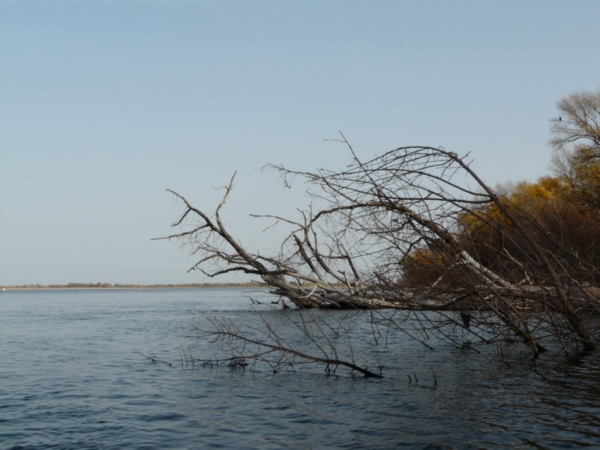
{"x":72,"y":377}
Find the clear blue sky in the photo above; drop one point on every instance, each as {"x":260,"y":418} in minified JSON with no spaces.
{"x":104,"y":105}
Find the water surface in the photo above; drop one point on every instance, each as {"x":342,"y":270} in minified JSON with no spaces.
{"x":71,"y":376}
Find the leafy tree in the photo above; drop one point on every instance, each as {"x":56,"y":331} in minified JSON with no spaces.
{"x":563,"y":228}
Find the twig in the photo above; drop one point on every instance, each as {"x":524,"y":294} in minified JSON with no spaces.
{"x":434,"y":377}
{"x":155,"y":359}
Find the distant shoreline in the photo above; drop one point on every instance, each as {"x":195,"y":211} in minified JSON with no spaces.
{"x":108,"y":286}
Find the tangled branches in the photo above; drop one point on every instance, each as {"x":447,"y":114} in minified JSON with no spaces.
{"x":313,"y":340}
{"x":406,"y":230}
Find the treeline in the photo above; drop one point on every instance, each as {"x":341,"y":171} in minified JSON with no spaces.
{"x":128,"y":286}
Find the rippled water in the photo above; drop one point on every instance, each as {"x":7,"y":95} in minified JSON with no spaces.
{"x":71,"y":376}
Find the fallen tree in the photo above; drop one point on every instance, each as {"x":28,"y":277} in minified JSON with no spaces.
{"x":393,"y":233}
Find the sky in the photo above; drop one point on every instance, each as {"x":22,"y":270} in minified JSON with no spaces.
{"x":106,"y":104}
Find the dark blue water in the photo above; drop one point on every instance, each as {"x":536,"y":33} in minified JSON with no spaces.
{"x":71,"y":376}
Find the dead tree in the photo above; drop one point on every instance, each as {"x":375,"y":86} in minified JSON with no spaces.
{"x":351,"y":248}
